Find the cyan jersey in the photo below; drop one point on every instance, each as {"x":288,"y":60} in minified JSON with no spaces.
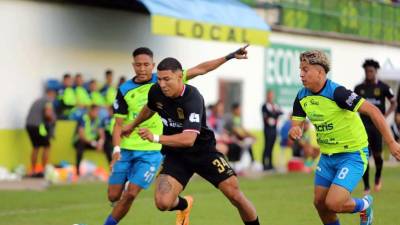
{"x":333,"y":112}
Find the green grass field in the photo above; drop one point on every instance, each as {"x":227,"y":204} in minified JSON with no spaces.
{"x":280,"y":199}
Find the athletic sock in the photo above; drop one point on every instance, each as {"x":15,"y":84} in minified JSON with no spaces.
{"x":182,"y":204}
{"x":110,"y":221}
{"x":255,"y":222}
{"x":334,"y":223}
{"x":361,"y":204}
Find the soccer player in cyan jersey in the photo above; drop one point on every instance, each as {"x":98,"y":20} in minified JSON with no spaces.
{"x":136,"y":160}
{"x":332,"y":109}
{"x":188,"y":146}
{"x":376,"y":92}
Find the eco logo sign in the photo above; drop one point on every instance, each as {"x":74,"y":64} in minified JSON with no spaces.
{"x":282,"y":73}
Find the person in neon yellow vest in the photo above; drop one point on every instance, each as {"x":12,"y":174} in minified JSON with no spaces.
{"x":95,"y":95}
{"x":82,"y":95}
{"x":90,"y":134}
{"x":136,"y":160}
{"x":67,"y":98}
{"x":108,"y":91}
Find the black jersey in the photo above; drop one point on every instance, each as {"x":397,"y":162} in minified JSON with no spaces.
{"x":398,"y":102}
{"x":375,"y":93}
{"x":184,"y":113}
{"x":271,"y":113}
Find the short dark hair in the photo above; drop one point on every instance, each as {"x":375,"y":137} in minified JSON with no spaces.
{"x":169,"y":64}
{"x":141,"y":51}
{"x":67,"y":75}
{"x":235,"y":105}
{"x":371,"y":62}
{"x":108,"y":72}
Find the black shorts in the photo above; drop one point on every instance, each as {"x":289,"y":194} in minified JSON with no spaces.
{"x":211,"y":165}
{"x":374,"y":139}
{"x":37,"y":140}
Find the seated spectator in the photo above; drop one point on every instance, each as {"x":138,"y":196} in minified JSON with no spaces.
{"x":90,"y":134}
{"x":122,"y":80}
{"x":40,"y":126}
{"x":96,"y":97}
{"x":67,"y":98}
{"x":239,"y":136}
{"x":108,"y":91}
{"x":108,"y":125}
{"x":215,"y":121}
{"x":285,"y":142}
{"x":82,"y":95}
{"x":82,"y":98}
{"x":307,"y":146}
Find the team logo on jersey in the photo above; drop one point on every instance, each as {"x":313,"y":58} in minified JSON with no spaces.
{"x":194,"y":118}
{"x":351,"y":98}
{"x":116,"y":106}
{"x":362,"y":92}
{"x":377,"y":91}
{"x":314,"y":102}
{"x":132,"y":95}
{"x":159,"y":105}
{"x":181,"y":115}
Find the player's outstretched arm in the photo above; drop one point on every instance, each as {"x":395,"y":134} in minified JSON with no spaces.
{"x":144,"y":115}
{"x":380,"y":123}
{"x":211,"y":65}
{"x":182,"y":140}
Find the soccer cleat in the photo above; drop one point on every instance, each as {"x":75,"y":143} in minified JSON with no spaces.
{"x":367,"y":215}
{"x":182,"y":216}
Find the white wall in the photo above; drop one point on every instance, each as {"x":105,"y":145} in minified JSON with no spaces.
{"x":44,"y":40}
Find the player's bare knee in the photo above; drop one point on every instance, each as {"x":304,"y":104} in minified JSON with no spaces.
{"x":114,"y":196}
{"x":130,"y":195}
{"x":319,"y":203}
{"x":333,"y":206}
{"x":163,"y":202}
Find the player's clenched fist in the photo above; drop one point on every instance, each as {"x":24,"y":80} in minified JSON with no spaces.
{"x":394,"y":148}
{"x":295,"y":133}
{"x":145,"y":134}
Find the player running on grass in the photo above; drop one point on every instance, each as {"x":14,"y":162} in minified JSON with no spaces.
{"x":136,"y":160}
{"x":188,"y":146}
{"x":332,"y":109}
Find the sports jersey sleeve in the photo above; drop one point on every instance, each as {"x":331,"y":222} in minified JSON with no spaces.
{"x":184,"y":77}
{"x":388,"y":92}
{"x":298,"y":112}
{"x":357,"y":90}
{"x":151,"y":98}
{"x":120,"y":106}
{"x":81,"y":123}
{"x":347,"y":99}
{"x":194,"y":113}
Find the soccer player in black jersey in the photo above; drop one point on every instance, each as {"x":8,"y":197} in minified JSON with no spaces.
{"x":376,"y":92}
{"x":188,"y":145}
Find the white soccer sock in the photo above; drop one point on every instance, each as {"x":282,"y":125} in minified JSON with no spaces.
{"x":366,"y":204}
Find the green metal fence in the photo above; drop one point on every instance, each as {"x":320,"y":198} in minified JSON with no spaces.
{"x":369,"y":19}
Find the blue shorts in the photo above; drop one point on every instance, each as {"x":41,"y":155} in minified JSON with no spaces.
{"x":137,"y":167}
{"x":343,"y":169}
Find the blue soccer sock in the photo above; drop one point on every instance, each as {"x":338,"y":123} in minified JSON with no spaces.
{"x":110,"y":221}
{"x":361,"y":204}
{"x":334,"y":223}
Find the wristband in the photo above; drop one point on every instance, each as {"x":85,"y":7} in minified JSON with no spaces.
{"x":116,"y":149}
{"x":230,"y":56}
{"x":156,"y":138}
